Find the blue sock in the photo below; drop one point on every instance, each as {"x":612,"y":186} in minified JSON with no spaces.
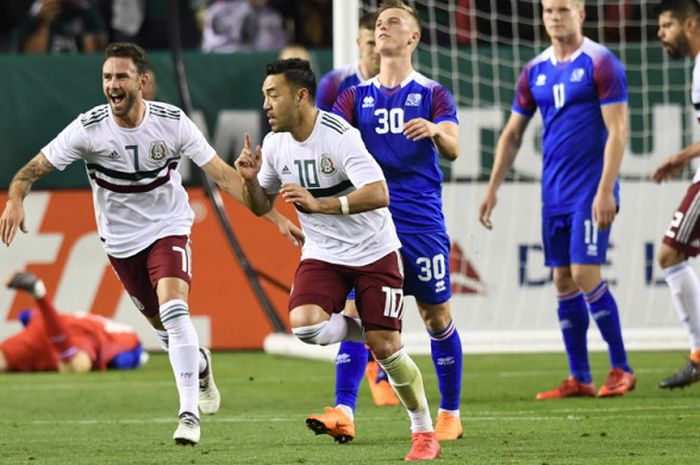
{"x":350,"y":364}
{"x":573,"y":321}
{"x":603,"y":309}
{"x":446,"y":349}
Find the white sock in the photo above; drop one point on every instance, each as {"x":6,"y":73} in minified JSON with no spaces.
{"x":183,"y":352}
{"x":685,"y":295}
{"x":162,"y":337}
{"x":407,"y":381}
{"x":338,"y":328}
{"x":202,"y":362}
{"x":454,"y":413}
{"x":346,"y":410}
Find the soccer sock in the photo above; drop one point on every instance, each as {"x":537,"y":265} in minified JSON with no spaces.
{"x":183,"y":352}
{"x":603,"y":309}
{"x":407,"y":381}
{"x":446,"y":350}
{"x":573,"y":322}
{"x":56,"y":330}
{"x":350,"y":364}
{"x":203,"y":365}
{"x":162,"y":337}
{"x":685,"y":295}
{"x":337,"y":328}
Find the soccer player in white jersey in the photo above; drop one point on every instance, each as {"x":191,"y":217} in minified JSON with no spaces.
{"x":679,"y":32}
{"x":131,"y":149}
{"x":580,"y":89}
{"x":318,"y":162}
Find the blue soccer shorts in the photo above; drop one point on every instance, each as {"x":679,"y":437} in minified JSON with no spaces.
{"x":426,"y":259}
{"x":573,"y":238}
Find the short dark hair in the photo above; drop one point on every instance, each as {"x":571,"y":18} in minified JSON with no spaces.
{"x":128,"y":50}
{"x":389,"y":4}
{"x":296,"y":71}
{"x":368,"y":21}
{"x":679,"y":9}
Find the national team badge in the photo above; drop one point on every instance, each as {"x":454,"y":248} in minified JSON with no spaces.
{"x":577,"y":75}
{"x":327,"y":165}
{"x":413,"y":100}
{"x":158,"y":151}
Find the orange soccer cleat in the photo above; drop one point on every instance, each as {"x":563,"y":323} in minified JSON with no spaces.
{"x":382,"y":392}
{"x":333,"y":422}
{"x":619,"y":382}
{"x":448,"y":427}
{"x":570,"y":387}
{"x":425,"y":447}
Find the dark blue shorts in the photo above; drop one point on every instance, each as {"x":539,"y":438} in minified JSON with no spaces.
{"x":573,"y":238}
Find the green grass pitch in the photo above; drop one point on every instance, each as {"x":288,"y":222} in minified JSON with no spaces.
{"x":129,"y":417}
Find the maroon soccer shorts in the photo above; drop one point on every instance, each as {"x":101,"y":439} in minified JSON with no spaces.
{"x":378,"y":288}
{"x":683,"y":234}
{"x":168,"y":257}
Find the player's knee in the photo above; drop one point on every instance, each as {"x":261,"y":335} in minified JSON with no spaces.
{"x":312,"y":334}
{"x":669,"y":256}
{"x":384,"y":344}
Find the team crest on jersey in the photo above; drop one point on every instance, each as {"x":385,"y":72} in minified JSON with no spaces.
{"x":577,"y":75}
{"x":541,"y":80}
{"x":368,"y":102}
{"x":413,"y":100}
{"x":158,"y":151}
{"x":327,"y":165}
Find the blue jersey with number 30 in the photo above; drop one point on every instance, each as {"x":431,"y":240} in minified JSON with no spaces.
{"x":569,"y":96}
{"x":411,"y":167}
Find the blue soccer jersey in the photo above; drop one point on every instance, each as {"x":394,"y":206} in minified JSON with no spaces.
{"x":569,"y":96}
{"x":334,"y":83}
{"x":411,"y":168}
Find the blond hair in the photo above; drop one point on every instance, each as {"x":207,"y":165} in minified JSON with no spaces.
{"x":389,"y":4}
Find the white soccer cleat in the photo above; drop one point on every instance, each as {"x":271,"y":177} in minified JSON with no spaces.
{"x":209,"y":397}
{"x":188,"y":431}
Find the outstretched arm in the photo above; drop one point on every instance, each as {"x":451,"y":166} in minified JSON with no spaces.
{"x":12,"y":217}
{"x":674,"y":164}
{"x":231,"y":182}
{"x":506,"y":149}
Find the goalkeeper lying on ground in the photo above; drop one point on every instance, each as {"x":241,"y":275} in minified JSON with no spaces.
{"x":67,"y":343}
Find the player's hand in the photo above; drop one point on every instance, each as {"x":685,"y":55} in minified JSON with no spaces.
{"x":420,"y":128}
{"x":292,"y":232}
{"x":604,"y":209}
{"x":669,"y":168}
{"x":249,"y":161}
{"x":11,"y":219}
{"x":294,"y":193}
{"x":485,"y":209}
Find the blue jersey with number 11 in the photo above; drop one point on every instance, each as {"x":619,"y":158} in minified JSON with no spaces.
{"x":569,"y":95}
{"x":411,"y":167}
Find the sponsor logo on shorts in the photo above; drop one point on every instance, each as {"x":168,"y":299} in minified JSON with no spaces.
{"x":138,"y":303}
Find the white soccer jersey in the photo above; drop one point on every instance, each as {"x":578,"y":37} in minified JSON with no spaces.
{"x":695,"y":99}
{"x":333,"y":161}
{"x":137,"y":191}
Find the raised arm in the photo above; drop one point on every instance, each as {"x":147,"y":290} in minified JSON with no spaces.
{"x":506,"y":149}
{"x":13,"y":215}
{"x":604,"y":207}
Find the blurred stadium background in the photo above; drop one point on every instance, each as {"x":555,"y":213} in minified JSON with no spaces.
{"x":504,"y":299}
